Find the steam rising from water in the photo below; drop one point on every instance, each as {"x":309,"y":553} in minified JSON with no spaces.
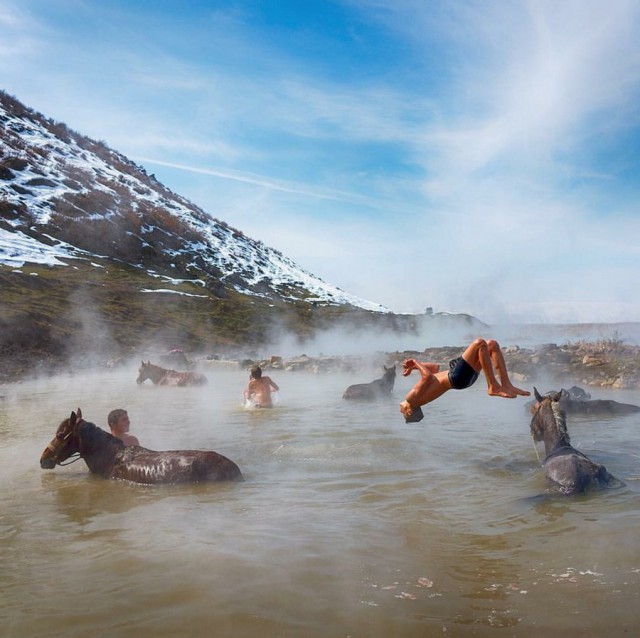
{"x":346,"y":341}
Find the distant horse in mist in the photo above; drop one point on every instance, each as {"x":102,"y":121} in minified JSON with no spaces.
{"x":569,"y":470}
{"x":108,"y":457}
{"x":575,"y":400}
{"x":162,"y":376}
{"x":375,"y":389}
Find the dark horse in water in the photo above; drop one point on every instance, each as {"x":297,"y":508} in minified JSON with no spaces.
{"x":575,"y":400}
{"x":376,"y":389}
{"x":107,"y":456}
{"x":569,"y":470}
{"x":162,"y":376}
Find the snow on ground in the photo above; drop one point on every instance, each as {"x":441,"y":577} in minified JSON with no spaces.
{"x":16,"y":249}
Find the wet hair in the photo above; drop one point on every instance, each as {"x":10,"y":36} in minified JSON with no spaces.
{"x":416,"y":415}
{"x":256,"y":372}
{"x":115,"y":416}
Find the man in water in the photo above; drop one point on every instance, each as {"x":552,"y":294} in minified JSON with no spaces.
{"x":481,"y":355}
{"x":259,"y":389}
{"x":119,"y":423}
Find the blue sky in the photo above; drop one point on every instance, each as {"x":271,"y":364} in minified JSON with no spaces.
{"x":476,"y":156}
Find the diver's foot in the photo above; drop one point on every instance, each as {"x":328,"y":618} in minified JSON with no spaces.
{"x":499,"y":391}
{"x":518,"y":391}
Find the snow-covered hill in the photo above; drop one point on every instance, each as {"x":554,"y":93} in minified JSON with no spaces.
{"x":64,"y":196}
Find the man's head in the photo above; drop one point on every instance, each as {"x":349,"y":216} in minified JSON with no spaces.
{"x":116,"y":418}
{"x":256,"y":372}
{"x":411,"y":415}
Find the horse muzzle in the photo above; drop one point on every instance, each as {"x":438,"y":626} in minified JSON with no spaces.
{"x":47,"y":463}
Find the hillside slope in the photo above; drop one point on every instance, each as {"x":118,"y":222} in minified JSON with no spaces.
{"x":57,"y":185}
{"x":99,"y":259}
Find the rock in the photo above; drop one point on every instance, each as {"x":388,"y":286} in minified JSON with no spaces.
{"x":592,"y":360}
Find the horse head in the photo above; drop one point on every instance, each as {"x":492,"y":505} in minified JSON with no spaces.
{"x":389,"y":377}
{"x":143,"y":372}
{"x":548,"y":423}
{"x":64,"y":443}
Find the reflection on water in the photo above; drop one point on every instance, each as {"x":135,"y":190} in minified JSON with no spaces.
{"x":350,"y":522}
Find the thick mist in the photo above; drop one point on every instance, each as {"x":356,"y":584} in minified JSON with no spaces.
{"x":341,"y":341}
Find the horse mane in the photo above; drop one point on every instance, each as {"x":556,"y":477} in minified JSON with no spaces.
{"x":561,"y":421}
{"x":93,"y":433}
{"x":156,"y":366}
{"x":165,"y":371}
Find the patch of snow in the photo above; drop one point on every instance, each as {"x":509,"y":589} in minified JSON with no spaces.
{"x":16,"y":249}
{"x":173,"y":292}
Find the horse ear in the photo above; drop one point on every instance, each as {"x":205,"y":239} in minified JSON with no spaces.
{"x":72,"y":418}
{"x":537,"y":395}
{"x":79,"y":414}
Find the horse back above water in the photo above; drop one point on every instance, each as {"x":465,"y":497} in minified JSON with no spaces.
{"x":163,"y":376}
{"x":569,"y":470}
{"x":578,"y":401}
{"x":108,"y":457}
{"x":375,"y":389}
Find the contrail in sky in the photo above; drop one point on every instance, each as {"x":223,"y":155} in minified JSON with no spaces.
{"x":257,"y":180}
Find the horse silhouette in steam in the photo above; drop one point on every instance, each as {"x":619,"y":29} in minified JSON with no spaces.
{"x":377,"y":389}
{"x":163,"y":376}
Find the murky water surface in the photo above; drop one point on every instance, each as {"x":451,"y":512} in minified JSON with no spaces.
{"x":350,"y":523}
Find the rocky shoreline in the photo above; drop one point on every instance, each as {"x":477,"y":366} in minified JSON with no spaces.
{"x":594,"y":364}
{"x":607,"y":364}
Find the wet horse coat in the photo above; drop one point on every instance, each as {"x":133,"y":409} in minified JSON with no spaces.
{"x":162,"y":376}
{"x":108,"y":457}
{"x":375,"y":389}
{"x":569,"y":470}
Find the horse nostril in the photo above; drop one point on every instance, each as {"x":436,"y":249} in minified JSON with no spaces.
{"x":47,"y":464}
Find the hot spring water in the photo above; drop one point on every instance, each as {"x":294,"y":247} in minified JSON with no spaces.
{"x":349,"y":523}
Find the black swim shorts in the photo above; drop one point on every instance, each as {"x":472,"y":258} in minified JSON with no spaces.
{"x":461,"y":374}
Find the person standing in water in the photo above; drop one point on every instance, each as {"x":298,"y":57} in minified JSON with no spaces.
{"x":119,"y":423}
{"x":258,"y":391}
{"x":480,"y":356}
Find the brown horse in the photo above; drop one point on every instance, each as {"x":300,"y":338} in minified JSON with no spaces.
{"x":375,"y":389}
{"x":107,"y":456}
{"x":569,"y":470}
{"x":162,"y":376}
